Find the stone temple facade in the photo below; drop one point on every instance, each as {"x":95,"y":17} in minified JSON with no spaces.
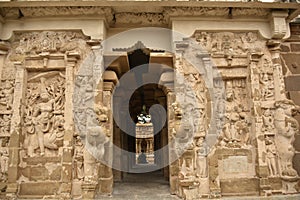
{"x":220,"y":80}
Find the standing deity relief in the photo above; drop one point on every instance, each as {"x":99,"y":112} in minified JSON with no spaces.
{"x":44,"y":118}
{"x":233,"y":112}
{"x":6,"y":94}
{"x":266,"y":80}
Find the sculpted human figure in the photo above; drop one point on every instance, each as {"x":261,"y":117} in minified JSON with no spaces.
{"x":43,"y":114}
{"x":268,"y":121}
{"x":271,"y":157}
{"x":5,"y":124}
{"x":6,"y":95}
{"x":187,"y":170}
{"x":3,"y":163}
{"x":200,"y":158}
{"x":78,"y":157}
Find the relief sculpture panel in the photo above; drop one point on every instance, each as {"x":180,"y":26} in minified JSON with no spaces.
{"x":44,"y":120}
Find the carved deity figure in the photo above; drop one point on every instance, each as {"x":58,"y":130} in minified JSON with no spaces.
{"x":5,"y":124}
{"x":266,"y":80}
{"x":4,"y":164}
{"x":43,"y":114}
{"x":187,"y":169}
{"x":6,"y":95}
{"x":78,"y":158}
{"x":44,"y":120}
{"x":85,"y":89}
{"x":200,"y":158}
{"x":268,"y":121}
{"x":235,"y":129}
{"x":271,"y":155}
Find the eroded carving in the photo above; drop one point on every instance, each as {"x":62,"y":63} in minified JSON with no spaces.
{"x":6,"y":94}
{"x":272,"y":157}
{"x":45,"y":42}
{"x":44,"y":118}
{"x":286,"y":127}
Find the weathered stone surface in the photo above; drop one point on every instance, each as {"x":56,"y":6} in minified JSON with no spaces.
{"x":292,"y":82}
{"x":292,"y":61}
{"x":38,"y":189}
{"x":295,"y":47}
{"x":229,"y":130}
{"x":240,"y":187}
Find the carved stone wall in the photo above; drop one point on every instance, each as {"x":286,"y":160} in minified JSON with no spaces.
{"x":253,"y":123}
{"x":36,"y":113}
{"x":289,"y":54}
{"x":231,"y":129}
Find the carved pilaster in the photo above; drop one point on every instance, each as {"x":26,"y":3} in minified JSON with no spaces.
{"x":70,"y":60}
{"x":105,"y":170}
{"x":3,"y":54}
{"x":274,"y":48}
{"x":257,"y":122}
{"x":16,"y":126}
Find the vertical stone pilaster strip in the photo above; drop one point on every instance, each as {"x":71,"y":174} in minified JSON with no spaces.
{"x":105,"y":172}
{"x":257,"y":123}
{"x":3,"y":54}
{"x":173,"y":167}
{"x":69,"y":124}
{"x":16,"y":127}
{"x":278,"y":75}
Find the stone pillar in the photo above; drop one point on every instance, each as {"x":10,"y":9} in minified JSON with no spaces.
{"x":67,"y":156}
{"x":3,"y":54}
{"x":174,"y":166}
{"x":274,"y":47}
{"x":91,"y":166}
{"x":16,"y":127}
{"x":105,"y":170}
{"x":257,"y":121}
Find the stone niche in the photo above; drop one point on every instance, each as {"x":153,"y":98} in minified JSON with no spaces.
{"x":41,"y":120}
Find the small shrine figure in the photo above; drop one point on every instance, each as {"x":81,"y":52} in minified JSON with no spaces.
{"x":144,"y":118}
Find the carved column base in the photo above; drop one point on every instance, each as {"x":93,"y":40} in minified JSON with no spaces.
{"x":290,"y":185}
{"x":12,"y":188}
{"x":204,"y":187}
{"x":106,"y":185}
{"x":173,"y":184}
{"x":88,"y":190}
{"x":188,"y":189}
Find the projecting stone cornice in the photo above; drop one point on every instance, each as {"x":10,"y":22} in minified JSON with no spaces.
{"x":166,"y":8}
{"x":92,"y":16}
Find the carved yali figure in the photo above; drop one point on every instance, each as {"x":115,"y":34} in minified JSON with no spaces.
{"x":286,"y":127}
